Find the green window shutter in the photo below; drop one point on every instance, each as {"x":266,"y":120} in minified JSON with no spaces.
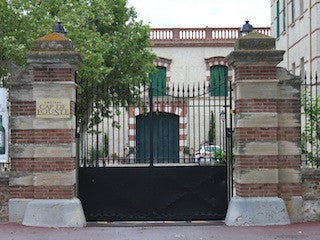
{"x":218,"y":81}
{"x":278,"y":19}
{"x":159,"y":83}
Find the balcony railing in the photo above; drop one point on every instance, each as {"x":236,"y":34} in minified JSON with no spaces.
{"x":198,"y":35}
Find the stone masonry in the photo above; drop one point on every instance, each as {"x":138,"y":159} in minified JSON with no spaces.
{"x":267,"y":133}
{"x":42,"y":147}
{"x":311,"y":194}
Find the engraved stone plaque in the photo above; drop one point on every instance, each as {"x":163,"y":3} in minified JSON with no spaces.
{"x":53,"y":108}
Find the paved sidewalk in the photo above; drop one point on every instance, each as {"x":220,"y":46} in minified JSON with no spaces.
{"x":308,"y":231}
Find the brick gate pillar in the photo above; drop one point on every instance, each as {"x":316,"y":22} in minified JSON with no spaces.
{"x":267,"y":135}
{"x":42,"y":147}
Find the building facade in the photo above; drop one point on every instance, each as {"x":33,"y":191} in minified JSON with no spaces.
{"x":296,"y":26}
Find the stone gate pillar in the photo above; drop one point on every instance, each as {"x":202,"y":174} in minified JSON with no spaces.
{"x":267,"y":136}
{"x":42,"y":147}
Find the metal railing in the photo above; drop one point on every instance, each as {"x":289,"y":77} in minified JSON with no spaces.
{"x":310,"y":119}
{"x":188,"y":117}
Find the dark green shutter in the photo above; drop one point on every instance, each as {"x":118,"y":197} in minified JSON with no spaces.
{"x":158,"y":80}
{"x":278,"y":19}
{"x":218,"y":81}
{"x":165,"y":138}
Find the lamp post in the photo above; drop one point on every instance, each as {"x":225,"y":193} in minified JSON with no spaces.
{"x":59,"y":28}
{"x":246,"y":28}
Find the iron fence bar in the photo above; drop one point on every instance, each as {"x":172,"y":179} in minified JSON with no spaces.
{"x":151,"y":124}
{"x":317,"y":123}
{"x":193,"y":116}
{"x":168,"y":147}
{"x":311,"y":117}
{"x":188,"y":117}
{"x":199,"y":114}
{"x":230,"y":135}
{"x":97,"y":126}
{"x":305,"y":118}
{"x":183,"y":131}
{"x":204,"y":115}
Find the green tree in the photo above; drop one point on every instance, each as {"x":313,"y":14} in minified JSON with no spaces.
{"x":112,"y":43}
{"x":212,"y":128}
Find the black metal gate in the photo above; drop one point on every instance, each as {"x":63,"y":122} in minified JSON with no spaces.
{"x":162,"y":157}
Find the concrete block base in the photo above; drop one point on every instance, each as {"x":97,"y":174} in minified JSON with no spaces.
{"x":17,"y":208}
{"x":54,"y":213}
{"x":295,"y":209}
{"x":257,"y":211}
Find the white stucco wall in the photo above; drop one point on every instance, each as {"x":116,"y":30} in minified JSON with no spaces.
{"x":188,"y":63}
{"x":300,"y":38}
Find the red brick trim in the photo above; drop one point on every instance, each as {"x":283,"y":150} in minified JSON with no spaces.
{"x":255,"y":105}
{"x":217,"y":61}
{"x":289,"y":133}
{"x":24,"y":108}
{"x":177,"y":108}
{"x":268,"y":105}
{"x":43,"y":192}
{"x":53,"y":74}
{"x":257,"y":190}
{"x":289,"y":106}
{"x":255,"y":72}
{"x":54,"y":192}
{"x":253,"y":161}
{"x":43,"y":164}
{"x":21,"y":191}
{"x":165,"y":62}
{"x":256,"y":134}
{"x":267,"y":133}
{"x":289,"y":161}
{"x":43,"y":136}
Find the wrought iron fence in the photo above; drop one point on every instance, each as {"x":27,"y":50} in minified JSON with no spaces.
{"x":310,"y":112}
{"x":191,"y":125}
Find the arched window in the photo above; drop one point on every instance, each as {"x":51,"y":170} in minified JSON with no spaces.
{"x":158,"y":80}
{"x":219,"y":81}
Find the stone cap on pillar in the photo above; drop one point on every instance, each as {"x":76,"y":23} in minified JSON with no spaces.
{"x":53,"y":48}
{"x":255,"y":49}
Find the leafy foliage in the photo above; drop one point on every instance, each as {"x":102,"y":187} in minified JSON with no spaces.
{"x":310,"y":139}
{"x":112,"y":44}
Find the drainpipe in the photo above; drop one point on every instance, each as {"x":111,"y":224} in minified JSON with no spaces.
{"x":288,"y":37}
{"x":310,"y":39}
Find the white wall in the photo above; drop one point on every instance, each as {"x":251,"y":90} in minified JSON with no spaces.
{"x":188,"y":63}
{"x":300,"y":39}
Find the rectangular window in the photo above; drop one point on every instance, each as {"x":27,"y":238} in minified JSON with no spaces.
{"x":301,"y":7}
{"x":284,"y":14}
{"x":158,"y":81}
{"x":219,"y":81}
{"x":278,"y":19}
{"x":293,"y":70}
{"x":292,"y":12}
{"x":302,"y":70}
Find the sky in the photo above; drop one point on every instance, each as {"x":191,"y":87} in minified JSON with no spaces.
{"x":202,"y":13}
